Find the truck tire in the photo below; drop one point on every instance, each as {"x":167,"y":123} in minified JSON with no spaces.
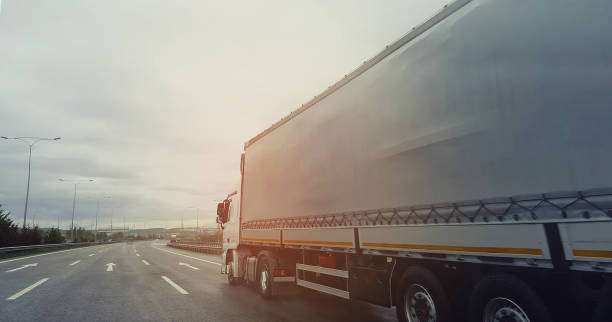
{"x":230,"y":275}
{"x":503,"y":297}
{"x":421,"y":298}
{"x":264,"y":279}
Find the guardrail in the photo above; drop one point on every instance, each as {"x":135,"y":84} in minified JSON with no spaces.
{"x":13,"y":249}
{"x":208,"y":248}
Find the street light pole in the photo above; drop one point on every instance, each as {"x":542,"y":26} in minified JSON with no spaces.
{"x":30,"y":141}
{"x":111,"y":235}
{"x":197,"y":218}
{"x":25,"y":209}
{"x":97,"y":210}
{"x":112,"y":214}
{"x":76,"y":182}
{"x":73,"y":208}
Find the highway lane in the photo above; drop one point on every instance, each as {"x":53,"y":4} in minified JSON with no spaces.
{"x":48,"y":262}
{"x":147,"y":283}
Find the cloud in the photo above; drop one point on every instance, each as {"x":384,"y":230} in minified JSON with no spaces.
{"x":178,"y":189}
{"x":154,"y":99}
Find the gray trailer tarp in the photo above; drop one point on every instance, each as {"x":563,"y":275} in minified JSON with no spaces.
{"x":500,"y":98}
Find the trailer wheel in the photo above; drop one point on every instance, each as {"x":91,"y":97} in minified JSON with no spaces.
{"x":421,"y":298}
{"x":265,"y":278}
{"x":230,"y":275}
{"x":503,"y":297}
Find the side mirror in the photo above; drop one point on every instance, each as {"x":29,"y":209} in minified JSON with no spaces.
{"x":223,"y":211}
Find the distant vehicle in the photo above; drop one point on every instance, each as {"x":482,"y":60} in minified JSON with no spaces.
{"x":462,"y":172}
{"x":173,"y":238}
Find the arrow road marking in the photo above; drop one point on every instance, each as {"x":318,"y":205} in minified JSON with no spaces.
{"x":178,"y":288}
{"x":75,"y":263}
{"x":146,"y":263}
{"x":109,"y":267}
{"x":91,"y":255}
{"x":185,"y":264}
{"x":25,"y":290}
{"x":22,"y":267}
{"x":137,"y":254}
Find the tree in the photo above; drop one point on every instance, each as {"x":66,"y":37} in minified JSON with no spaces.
{"x":9,"y":232}
{"x":82,"y":235}
{"x":54,"y":236}
{"x":30,"y":236}
{"x":102,"y":237}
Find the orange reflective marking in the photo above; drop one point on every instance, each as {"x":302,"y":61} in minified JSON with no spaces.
{"x":261,"y":240}
{"x":592,"y":253}
{"x":313,"y":242}
{"x":470,"y":249}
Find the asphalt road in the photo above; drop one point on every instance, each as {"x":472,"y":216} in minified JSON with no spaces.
{"x":152,"y":282}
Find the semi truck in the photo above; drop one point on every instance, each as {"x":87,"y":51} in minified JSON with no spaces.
{"x":461,"y":174}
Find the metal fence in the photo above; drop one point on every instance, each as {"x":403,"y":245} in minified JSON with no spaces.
{"x":208,"y":248}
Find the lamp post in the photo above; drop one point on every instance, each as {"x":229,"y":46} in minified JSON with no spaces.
{"x":197,"y":217}
{"x":97,"y":210}
{"x":30,"y":141}
{"x":96,"y":225}
{"x":111,"y":235}
{"x":76,"y":182}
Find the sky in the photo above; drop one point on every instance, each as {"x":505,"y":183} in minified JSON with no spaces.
{"x":153,"y":100}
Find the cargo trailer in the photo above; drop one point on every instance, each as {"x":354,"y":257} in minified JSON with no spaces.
{"x":462,"y":174}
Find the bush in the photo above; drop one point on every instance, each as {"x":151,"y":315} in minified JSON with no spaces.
{"x":102,"y":237}
{"x":83,"y":235}
{"x":30,"y":236}
{"x":10,"y":235}
{"x":54,"y":236}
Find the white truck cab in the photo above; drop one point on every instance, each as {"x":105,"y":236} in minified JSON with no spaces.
{"x":228,"y":216}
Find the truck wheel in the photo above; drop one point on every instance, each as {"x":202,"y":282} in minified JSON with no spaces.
{"x":503,"y":297}
{"x":265,"y":278}
{"x":421,"y":298}
{"x":230,"y":275}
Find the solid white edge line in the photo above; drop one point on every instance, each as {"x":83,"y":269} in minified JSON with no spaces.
{"x":27,"y":289}
{"x":49,"y":253}
{"x":178,"y":288}
{"x":146,"y":263}
{"x":203,"y":260}
{"x":72,"y":264}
